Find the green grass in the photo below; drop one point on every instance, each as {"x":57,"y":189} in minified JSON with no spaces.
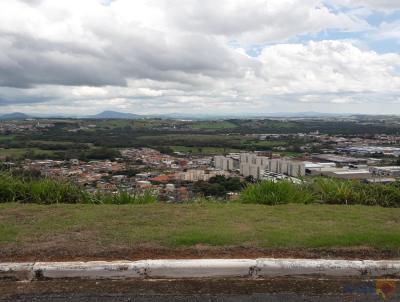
{"x":112,"y":123}
{"x":270,"y":144}
{"x":45,"y":191}
{"x":51,"y":142}
{"x":25,"y":189}
{"x":271,"y":193}
{"x":290,"y":154}
{"x":203,"y":150}
{"x":212,"y":125}
{"x":283,"y":226}
{"x":125,"y":198}
{"x":6,"y":137}
{"x":323,"y":190}
{"x":18,"y":153}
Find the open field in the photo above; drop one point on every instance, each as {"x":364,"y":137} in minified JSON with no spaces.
{"x":70,"y":231}
{"x":213,"y":125}
{"x":6,"y":138}
{"x":18,"y":153}
{"x":203,"y":150}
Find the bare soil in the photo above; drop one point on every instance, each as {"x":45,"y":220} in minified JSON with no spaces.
{"x":187,"y":286}
{"x":81,"y":252}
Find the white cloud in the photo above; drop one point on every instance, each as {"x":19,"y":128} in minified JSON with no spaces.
{"x":386,"y":31}
{"x":258,"y":22}
{"x":328,"y":66}
{"x":374,"y":4}
{"x":148,"y":55}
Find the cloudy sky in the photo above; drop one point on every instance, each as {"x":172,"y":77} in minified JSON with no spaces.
{"x":199,"y":56}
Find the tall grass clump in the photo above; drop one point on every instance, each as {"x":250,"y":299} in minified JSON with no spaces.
{"x":48,"y":191}
{"x":124,"y":197}
{"x":39,"y":190}
{"x":323,"y":190}
{"x":333,"y":191}
{"x":383,"y":195}
{"x":273,"y":193}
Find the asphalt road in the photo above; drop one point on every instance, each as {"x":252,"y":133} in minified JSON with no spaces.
{"x":235,"y":290}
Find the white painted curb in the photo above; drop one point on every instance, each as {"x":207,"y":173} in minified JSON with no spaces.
{"x":17,"y":271}
{"x":90,"y":270}
{"x":199,"y":268}
{"x":334,"y":268}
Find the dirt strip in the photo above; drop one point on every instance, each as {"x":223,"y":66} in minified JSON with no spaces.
{"x":86,"y":253}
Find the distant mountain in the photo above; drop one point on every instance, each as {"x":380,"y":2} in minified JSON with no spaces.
{"x":115,"y":115}
{"x":308,"y":114}
{"x":14,"y":116}
{"x":180,"y":116}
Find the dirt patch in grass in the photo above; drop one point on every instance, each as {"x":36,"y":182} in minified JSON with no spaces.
{"x":82,"y":252}
{"x":305,"y":287}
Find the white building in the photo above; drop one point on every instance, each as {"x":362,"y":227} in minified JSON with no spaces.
{"x":386,"y":171}
{"x":223,"y":163}
{"x":253,"y":165}
{"x":194,"y":175}
{"x":227,"y":163}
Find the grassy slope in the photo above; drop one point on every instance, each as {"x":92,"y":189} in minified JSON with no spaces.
{"x":286,"y":226}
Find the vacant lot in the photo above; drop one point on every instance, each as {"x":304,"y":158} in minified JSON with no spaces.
{"x":18,"y":153}
{"x":74,"y":231}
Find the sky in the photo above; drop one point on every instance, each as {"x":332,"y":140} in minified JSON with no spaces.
{"x":78,"y":57}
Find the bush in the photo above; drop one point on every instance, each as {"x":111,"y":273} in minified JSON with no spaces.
{"x":336,"y":192}
{"x":41,"y":190}
{"x":271,"y":193}
{"x":354,"y":192}
{"x":323,"y":190}
{"x":218,"y":186}
{"x":48,"y":191}
{"x":29,"y":188}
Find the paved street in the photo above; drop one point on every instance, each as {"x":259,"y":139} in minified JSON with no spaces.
{"x":287,"y":290}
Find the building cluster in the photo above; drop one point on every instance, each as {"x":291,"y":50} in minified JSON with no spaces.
{"x":102,"y":175}
{"x":260,"y":165}
{"x":371,"y":150}
{"x":378,"y":139}
{"x":172,"y":177}
{"x":138,"y":170}
{"x":12,"y":127}
{"x":346,"y":167}
{"x":339,"y":160}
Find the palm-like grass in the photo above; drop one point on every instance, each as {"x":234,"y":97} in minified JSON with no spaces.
{"x":319,"y":190}
{"x":323,"y":190}
{"x":272,"y":193}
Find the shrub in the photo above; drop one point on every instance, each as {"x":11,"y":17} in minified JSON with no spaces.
{"x":383,"y":195}
{"x":323,"y":190}
{"x":335,"y":191}
{"x":41,"y":190}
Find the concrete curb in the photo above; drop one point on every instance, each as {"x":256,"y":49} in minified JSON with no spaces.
{"x":199,"y":268}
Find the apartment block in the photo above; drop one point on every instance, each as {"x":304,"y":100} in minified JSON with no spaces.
{"x":227,"y":163}
{"x":254,"y":164}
